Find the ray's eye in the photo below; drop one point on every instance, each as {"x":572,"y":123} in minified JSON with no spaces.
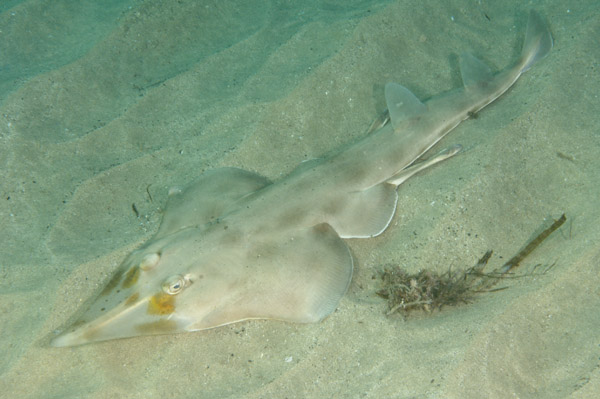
{"x":174,"y":284}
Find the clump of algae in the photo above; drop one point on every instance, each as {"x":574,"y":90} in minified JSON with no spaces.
{"x":428,"y":290}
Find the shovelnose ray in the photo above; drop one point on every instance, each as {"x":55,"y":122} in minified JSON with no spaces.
{"x":233,"y":246}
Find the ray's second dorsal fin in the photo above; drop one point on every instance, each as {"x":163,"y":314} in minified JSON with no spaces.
{"x":402,"y":104}
{"x":473,"y":71}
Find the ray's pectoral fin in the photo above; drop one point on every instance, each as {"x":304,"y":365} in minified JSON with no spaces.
{"x":297,"y":278}
{"x":205,"y":199}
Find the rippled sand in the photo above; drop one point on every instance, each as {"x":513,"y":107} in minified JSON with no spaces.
{"x":107,"y":106}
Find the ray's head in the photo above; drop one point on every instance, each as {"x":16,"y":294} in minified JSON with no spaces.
{"x":146,"y":295}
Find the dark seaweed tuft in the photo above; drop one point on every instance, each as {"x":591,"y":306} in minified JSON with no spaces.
{"x":428,"y":290}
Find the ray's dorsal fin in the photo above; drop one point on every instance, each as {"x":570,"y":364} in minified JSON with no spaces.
{"x":402,"y":104}
{"x":473,"y":71}
{"x":205,"y":200}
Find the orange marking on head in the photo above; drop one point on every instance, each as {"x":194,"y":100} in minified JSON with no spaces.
{"x":161,"y":304}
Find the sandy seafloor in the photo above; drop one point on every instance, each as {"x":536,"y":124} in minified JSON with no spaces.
{"x":101,"y":102}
